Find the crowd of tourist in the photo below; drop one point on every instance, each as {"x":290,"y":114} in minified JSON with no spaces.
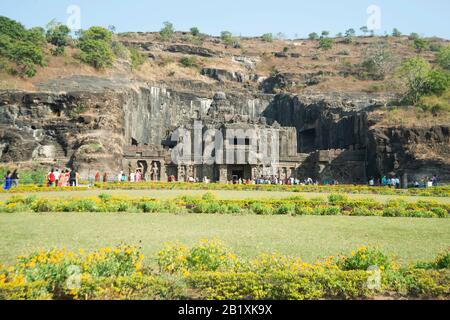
{"x":273,"y":180}
{"x":71,"y":177}
{"x":394,"y":182}
{"x":63,"y":178}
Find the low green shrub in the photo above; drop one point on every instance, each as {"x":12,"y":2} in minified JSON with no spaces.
{"x":261,"y":209}
{"x":149,"y":207}
{"x":335,"y":198}
{"x":285,"y":209}
{"x":234,"y":208}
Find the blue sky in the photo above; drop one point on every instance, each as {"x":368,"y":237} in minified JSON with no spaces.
{"x":243,"y":17}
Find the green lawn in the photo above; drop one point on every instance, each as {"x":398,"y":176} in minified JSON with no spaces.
{"x":308,"y":237}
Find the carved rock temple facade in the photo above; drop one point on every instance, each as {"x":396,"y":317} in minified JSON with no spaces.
{"x":99,"y":125}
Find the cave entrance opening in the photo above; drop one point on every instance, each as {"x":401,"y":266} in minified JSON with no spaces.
{"x":308,"y":140}
{"x":236,"y":172}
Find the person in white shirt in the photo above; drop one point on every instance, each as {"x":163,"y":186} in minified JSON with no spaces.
{"x":57,"y":174}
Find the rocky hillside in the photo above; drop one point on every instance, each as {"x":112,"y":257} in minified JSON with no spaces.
{"x":72,"y":113}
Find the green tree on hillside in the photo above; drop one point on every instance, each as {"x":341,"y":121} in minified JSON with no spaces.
{"x":443,"y":58}
{"x":137,"y":58}
{"x":414,"y":72}
{"x":95,"y":44}
{"x":22,"y":48}
{"x":420,"y":44}
{"x":378,"y":61}
{"x":326,"y":43}
{"x":421,"y":80}
{"x":57,"y":35}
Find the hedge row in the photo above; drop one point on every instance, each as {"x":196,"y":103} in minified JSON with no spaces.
{"x":442,"y":191}
{"x":335,"y":205}
{"x":314,"y":285}
{"x":425,"y":284}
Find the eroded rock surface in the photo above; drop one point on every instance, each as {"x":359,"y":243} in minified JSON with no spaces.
{"x":99,"y":124}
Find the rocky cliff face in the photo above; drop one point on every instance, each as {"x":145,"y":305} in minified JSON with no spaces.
{"x":87,"y":122}
{"x":66,"y":128}
{"x":418,"y":152}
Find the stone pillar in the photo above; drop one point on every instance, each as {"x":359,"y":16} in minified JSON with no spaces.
{"x":163,"y":173}
{"x":181,"y":173}
{"x":223,"y":174}
{"x":405,"y":180}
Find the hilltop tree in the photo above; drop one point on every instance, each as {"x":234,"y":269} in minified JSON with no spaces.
{"x":226,"y":37}
{"x":364,"y":30}
{"x":313,"y":36}
{"x":413,"y":36}
{"x":325,"y":34}
{"x":195,"y":31}
{"x":350,"y":33}
{"x":396,"y":33}
{"x":167,"y":31}
{"x":267,"y":37}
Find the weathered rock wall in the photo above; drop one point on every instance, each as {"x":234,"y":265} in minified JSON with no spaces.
{"x":418,"y":152}
{"x":325,"y":121}
{"x":61,"y":128}
{"x":88,"y":122}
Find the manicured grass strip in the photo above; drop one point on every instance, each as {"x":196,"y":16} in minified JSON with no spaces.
{"x":309,"y":237}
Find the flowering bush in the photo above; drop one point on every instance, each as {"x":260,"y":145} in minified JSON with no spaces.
{"x":206,"y":255}
{"x":209,"y":270}
{"x":363,"y":258}
{"x":55,"y":269}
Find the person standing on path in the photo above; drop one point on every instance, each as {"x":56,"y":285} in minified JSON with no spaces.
{"x":15,"y":179}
